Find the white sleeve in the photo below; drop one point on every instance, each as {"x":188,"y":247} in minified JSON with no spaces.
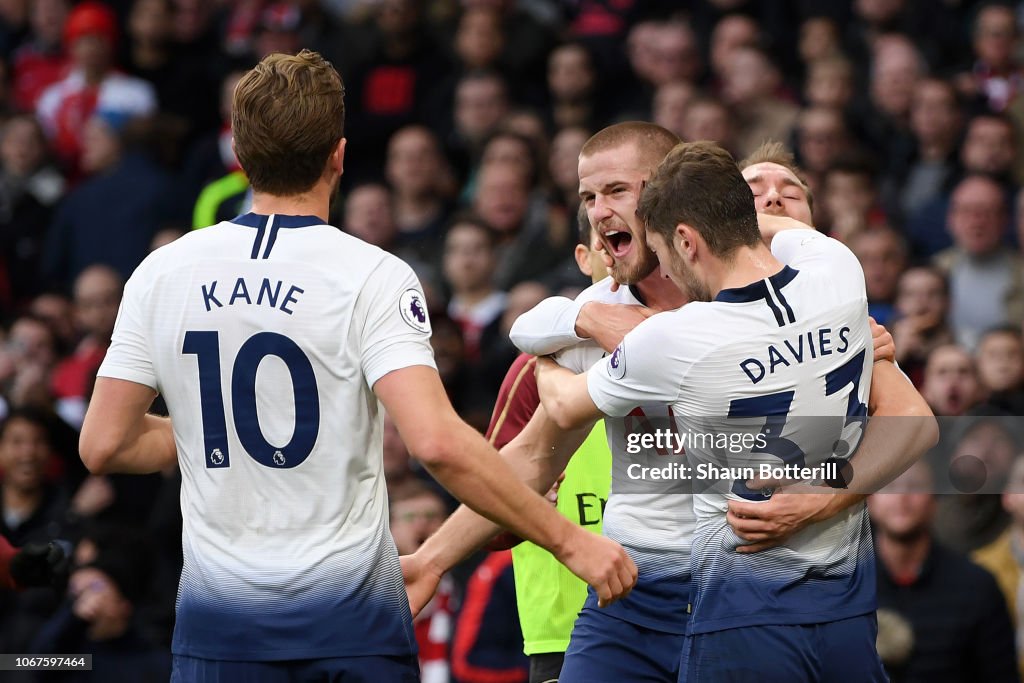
{"x":811,"y":250}
{"x":395,"y":330}
{"x":129,"y":356}
{"x":548,"y":327}
{"x":641,"y":371}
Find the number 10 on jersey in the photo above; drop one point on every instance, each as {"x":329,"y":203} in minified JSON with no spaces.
{"x":206,"y":347}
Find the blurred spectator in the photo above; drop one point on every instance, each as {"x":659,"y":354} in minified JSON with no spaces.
{"x":995,"y":75}
{"x":986,"y":278}
{"x":28,"y":360}
{"x":950,"y":382}
{"x":830,"y":83}
{"x":420,"y":185}
{"x":185,"y":84}
{"x":33,"y":510}
{"x":920,"y":327}
{"x":368,"y":215}
{"x":850,"y":199}
{"x":475,"y":304}
{"x":30,"y":187}
{"x":1000,"y":362}
{"x":40,"y":61}
{"x":731,"y":33}
{"x":394,"y":85}
{"x":479,"y":38}
{"x":967,"y":520}
{"x":896,"y":65}
{"x":572,"y":83}
{"x":706,"y":118}
{"x":56,"y":309}
{"x":819,"y":40}
{"x":960,"y":622}
{"x":821,"y":138}
{"x":1004,"y":557}
{"x":90,"y":36}
{"x":883,"y":256}
{"x":97,"y":296}
{"x":111,"y":217}
{"x":990,"y":146}
{"x":935,"y":121}
{"x":100,"y":617}
{"x":209,"y":160}
{"x":529,"y":240}
{"x":416,"y":513}
{"x":481,"y":101}
{"x":751,"y":87}
{"x":563,"y":160}
{"x":671,"y":101}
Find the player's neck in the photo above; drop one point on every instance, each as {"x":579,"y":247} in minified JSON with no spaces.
{"x":660,"y":293}
{"x":751,"y":264}
{"x":316,"y":202}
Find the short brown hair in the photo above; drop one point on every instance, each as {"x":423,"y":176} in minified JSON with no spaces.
{"x":652,"y":141}
{"x":772,"y":152}
{"x":289,"y":115}
{"x":699,"y":184}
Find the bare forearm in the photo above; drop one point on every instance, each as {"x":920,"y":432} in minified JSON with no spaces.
{"x":536,"y":456}
{"x":150,"y":449}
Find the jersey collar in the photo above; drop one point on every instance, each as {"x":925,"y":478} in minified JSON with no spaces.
{"x":256,"y":220}
{"x":755,"y":291}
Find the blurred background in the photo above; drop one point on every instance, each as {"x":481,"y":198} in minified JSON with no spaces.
{"x":464,"y":122}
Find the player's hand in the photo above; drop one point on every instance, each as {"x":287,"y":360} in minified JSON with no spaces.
{"x":420,"y":582}
{"x":607,"y":324}
{"x":771,"y":523}
{"x":602,"y":563}
{"x":885,"y":347}
{"x":608,"y":263}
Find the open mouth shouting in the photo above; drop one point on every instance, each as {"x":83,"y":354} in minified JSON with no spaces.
{"x":618,"y":242}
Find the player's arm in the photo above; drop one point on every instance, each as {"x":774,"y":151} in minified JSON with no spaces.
{"x":119,"y":436}
{"x":901,"y":429}
{"x":537,"y":455}
{"x":557,"y":323}
{"x":771,"y":226}
{"x":565,"y":396}
{"x":462,"y":460}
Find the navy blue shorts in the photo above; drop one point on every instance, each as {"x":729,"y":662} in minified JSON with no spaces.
{"x":835,"y":652}
{"x":373,"y":669}
{"x":606,"y":649}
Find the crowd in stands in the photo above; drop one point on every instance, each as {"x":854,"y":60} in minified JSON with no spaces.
{"x":464,"y":123}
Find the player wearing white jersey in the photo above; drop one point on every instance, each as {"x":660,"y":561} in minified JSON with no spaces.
{"x":271,"y":337}
{"x":712,"y":246}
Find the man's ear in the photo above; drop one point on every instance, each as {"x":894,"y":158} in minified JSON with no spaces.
{"x":582,"y":255}
{"x":338,"y":158}
{"x":686,"y":239}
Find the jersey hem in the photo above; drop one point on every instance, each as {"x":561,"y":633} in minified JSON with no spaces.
{"x":284,"y":655}
{"x":775,"y":619}
{"x":546,"y":647}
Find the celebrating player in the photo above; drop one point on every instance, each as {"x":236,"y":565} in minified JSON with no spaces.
{"x":803,"y":611}
{"x":271,"y":338}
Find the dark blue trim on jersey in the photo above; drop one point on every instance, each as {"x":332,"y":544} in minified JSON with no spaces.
{"x":262,"y":227}
{"x":756,"y":291}
{"x":273,"y":237}
{"x":254,"y":220}
{"x":778,"y":295}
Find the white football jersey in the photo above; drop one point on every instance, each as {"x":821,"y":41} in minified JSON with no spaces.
{"x":792,"y":355}
{"x":265,"y":336}
{"x":655,"y":527}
